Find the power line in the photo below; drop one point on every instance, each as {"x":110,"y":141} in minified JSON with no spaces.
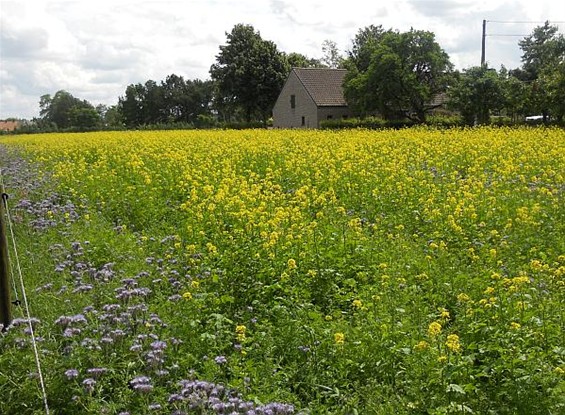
{"x":504,"y":35}
{"x":485,"y":35}
{"x":524,"y":21}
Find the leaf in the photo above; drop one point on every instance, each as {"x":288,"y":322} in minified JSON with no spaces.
{"x":453,"y":387}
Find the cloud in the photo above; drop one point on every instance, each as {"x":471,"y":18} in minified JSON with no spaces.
{"x":22,"y":43}
{"x":439,"y":9}
{"x":94,"y":49}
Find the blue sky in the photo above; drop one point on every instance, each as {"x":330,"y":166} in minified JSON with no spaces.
{"x":94,"y":49}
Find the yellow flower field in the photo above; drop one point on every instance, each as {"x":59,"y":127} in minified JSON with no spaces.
{"x":397,"y":271}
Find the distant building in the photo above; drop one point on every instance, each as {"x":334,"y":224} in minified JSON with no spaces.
{"x":9,"y":125}
{"x":311,"y":95}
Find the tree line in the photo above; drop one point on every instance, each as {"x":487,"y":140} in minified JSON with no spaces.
{"x":395,"y":75}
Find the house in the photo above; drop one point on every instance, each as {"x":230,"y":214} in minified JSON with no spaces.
{"x":310,"y":95}
{"x":9,"y":125}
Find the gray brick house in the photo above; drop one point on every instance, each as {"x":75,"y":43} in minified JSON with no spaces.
{"x":310,"y":95}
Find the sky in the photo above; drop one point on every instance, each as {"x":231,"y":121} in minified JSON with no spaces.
{"x":95,"y":49}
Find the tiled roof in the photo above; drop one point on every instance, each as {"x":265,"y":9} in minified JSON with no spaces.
{"x":324,"y":85}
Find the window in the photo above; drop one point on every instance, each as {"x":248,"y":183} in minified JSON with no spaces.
{"x":293,"y":101}
{"x":303,"y":121}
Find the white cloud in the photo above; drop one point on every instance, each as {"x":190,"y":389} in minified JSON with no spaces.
{"x":94,"y":49}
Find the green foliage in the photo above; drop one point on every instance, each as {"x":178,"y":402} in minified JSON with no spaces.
{"x":298,"y":60}
{"x":249,"y":73}
{"x":544,"y":48}
{"x":405,"y":72}
{"x":477,"y":92}
{"x":375,"y":123}
{"x":174,"y":100}
{"x":65,"y":111}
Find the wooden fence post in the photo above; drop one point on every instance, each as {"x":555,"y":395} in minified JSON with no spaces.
{"x":5,"y":304}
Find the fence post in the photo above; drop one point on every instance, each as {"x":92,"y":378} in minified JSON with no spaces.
{"x":5,"y":304}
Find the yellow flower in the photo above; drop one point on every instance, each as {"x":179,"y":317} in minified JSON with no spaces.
{"x":515,"y":326}
{"x":489,"y":290}
{"x":187,"y":295}
{"x":442,"y":358}
{"x":339,"y":338}
{"x":559,"y":370}
{"x":291,"y":264}
{"x":452,"y":343}
{"x":357,"y":304}
{"x":211,"y":248}
{"x":240,"y":330}
{"x":422,"y":345}
{"x":444,"y":314}
{"x":195,"y":284}
{"x":434,"y":329}
{"x":463,"y":298}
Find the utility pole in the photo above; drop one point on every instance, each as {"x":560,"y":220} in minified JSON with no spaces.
{"x":5,"y":305}
{"x":483,"y":43}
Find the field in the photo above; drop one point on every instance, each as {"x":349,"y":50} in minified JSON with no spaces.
{"x":250,"y":272}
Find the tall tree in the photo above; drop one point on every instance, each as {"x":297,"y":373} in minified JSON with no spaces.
{"x":363,"y":45}
{"x":477,"y":92}
{"x":554,"y":83}
{"x":58,"y":109}
{"x":543,"y":52}
{"x":249,"y":72}
{"x":131,"y":105}
{"x":330,"y":54}
{"x":405,"y":72}
{"x":545,"y":47}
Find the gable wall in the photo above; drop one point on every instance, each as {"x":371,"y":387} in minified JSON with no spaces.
{"x":286,"y":117}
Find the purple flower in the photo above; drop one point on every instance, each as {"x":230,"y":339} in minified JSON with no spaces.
{"x":143,"y":388}
{"x":96,"y":372}
{"x":159,"y":345}
{"x":136,"y":347}
{"x":220,"y":360}
{"x":71,"y":373}
{"x":175,"y":397}
{"x":71,"y":331}
{"x":89,"y":385}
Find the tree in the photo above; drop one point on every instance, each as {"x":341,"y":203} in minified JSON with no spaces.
{"x":554,"y":83}
{"x":131,"y":105}
{"x":330,"y":55}
{"x":250,"y":73}
{"x":363,"y":45}
{"x":544,"y":48}
{"x":405,"y":72}
{"x":172,"y":100}
{"x":84,"y":118}
{"x":58,"y":109}
{"x":543,"y":52}
{"x":476,"y":93}
{"x":298,"y":60}
{"x":187,"y":100}
{"x":515,"y":95}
